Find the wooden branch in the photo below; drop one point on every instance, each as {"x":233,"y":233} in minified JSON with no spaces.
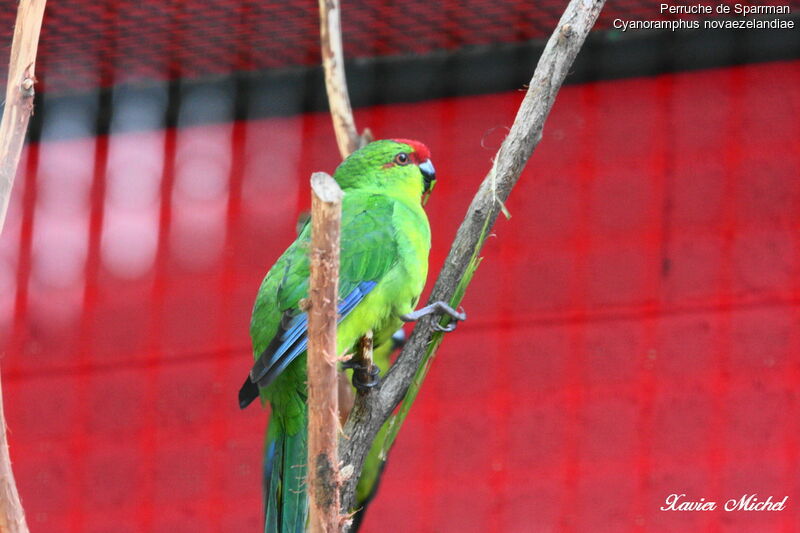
{"x":12,"y":516}
{"x":19,"y":95}
{"x":347,"y":137}
{"x":13,"y":127}
{"x":344,"y":126}
{"x":323,"y":405}
{"x":372,"y":410}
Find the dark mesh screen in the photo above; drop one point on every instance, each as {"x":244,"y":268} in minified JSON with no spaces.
{"x":86,"y":44}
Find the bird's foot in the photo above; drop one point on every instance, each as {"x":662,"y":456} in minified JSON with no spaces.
{"x":439,"y":308}
{"x":365,"y":378}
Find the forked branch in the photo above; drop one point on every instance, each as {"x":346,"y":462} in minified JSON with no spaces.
{"x":404,"y":378}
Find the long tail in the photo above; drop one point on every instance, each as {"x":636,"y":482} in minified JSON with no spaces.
{"x":285,"y":498}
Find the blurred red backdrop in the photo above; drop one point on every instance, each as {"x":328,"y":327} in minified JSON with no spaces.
{"x":633,"y":328}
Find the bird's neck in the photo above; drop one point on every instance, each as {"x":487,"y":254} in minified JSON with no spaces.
{"x":411,"y":197}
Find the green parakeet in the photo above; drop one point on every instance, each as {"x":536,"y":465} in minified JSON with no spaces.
{"x":385,"y":241}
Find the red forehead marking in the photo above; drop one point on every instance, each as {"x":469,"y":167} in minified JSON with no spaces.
{"x":421,"y":152}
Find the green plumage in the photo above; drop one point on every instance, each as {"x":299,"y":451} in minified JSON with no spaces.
{"x":385,"y":240}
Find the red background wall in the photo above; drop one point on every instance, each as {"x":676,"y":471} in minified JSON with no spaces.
{"x":633,"y":328}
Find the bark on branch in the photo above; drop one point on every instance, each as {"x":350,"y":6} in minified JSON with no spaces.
{"x":19,"y":95}
{"x":323,"y":404}
{"x":347,"y":137}
{"x":372,"y":410}
{"x":14,"y":125}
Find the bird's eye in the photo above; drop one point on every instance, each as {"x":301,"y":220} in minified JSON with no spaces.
{"x":401,"y":158}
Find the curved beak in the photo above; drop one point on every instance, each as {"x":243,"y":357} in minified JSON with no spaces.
{"x":428,"y":174}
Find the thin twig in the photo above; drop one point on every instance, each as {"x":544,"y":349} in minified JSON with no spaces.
{"x":19,"y":95}
{"x":371,"y":411}
{"x":347,"y":137}
{"x":323,"y":404}
{"x":14,"y":125}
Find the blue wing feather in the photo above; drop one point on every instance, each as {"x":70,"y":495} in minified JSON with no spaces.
{"x":295,"y":340}
{"x":356,"y":295}
{"x":297,"y":327}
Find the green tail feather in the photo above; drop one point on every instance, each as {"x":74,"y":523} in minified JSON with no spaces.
{"x":285,"y":498}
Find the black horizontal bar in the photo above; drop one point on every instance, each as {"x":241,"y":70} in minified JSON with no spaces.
{"x":382,"y":80}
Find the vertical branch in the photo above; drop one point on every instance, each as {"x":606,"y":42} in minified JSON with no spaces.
{"x":19,"y":95}
{"x":12,"y":516}
{"x":14,"y":125}
{"x":347,"y":137}
{"x":323,"y":408}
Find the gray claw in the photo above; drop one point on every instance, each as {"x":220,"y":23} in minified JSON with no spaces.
{"x":440,"y":308}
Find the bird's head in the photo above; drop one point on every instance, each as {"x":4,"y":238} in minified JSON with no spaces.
{"x":399,"y":167}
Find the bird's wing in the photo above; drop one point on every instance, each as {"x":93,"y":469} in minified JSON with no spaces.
{"x":368,"y":252}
